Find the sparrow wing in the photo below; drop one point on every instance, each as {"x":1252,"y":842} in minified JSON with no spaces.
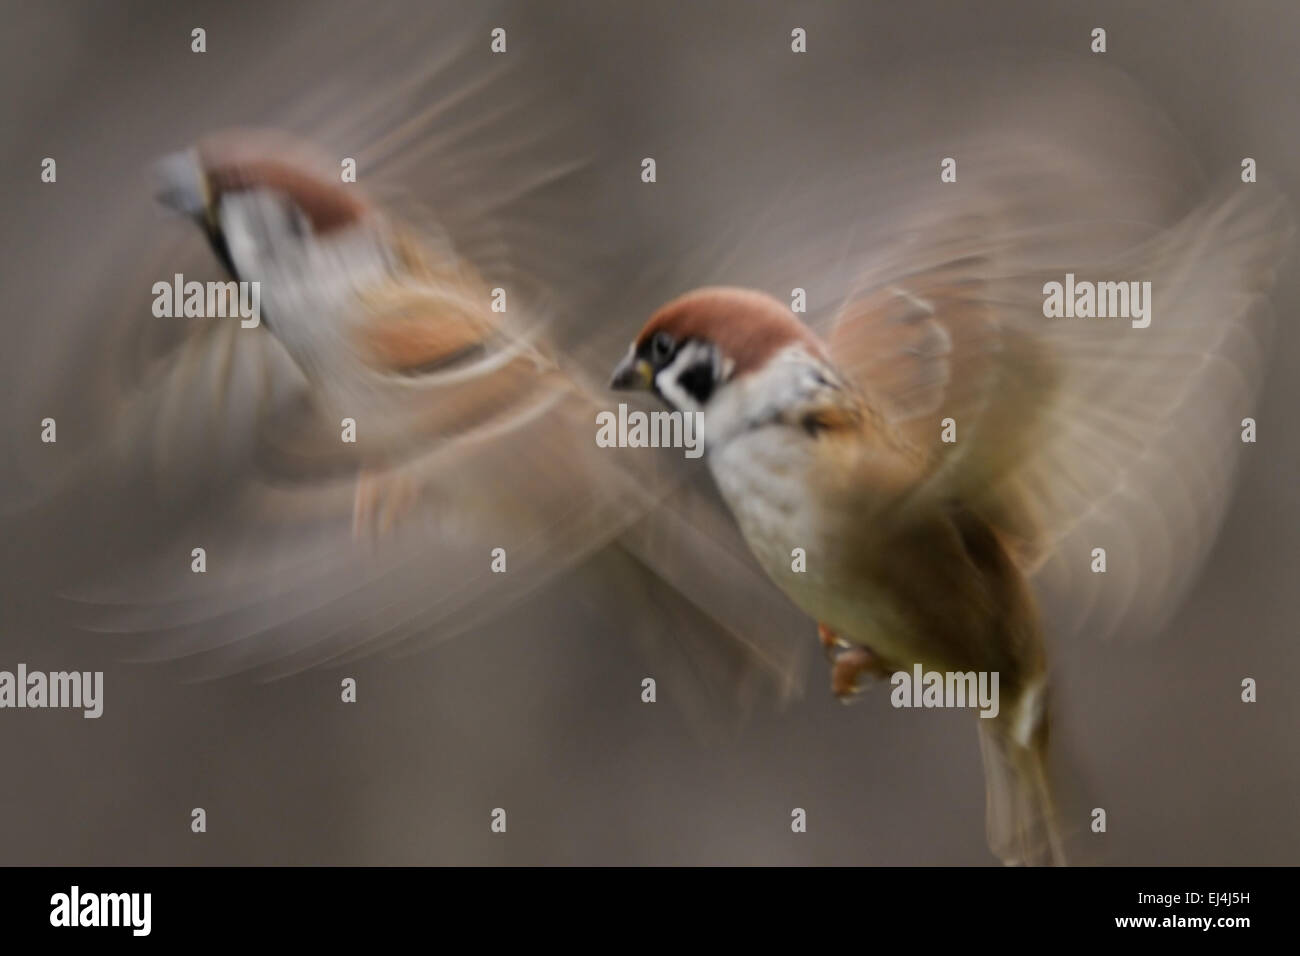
{"x":924,"y":267}
{"x":493,"y":447}
{"x":1069,"y":434}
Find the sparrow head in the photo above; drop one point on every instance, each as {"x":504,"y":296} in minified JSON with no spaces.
{"x":252,"y":190}
{"x":695,"y":346}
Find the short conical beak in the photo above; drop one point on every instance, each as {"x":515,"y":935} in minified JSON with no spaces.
{"x":632,"y":374}
{"x":180,"y":183}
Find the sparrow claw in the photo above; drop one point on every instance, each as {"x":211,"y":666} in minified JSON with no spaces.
{"x":848,"y":663}
{"x":848,"y":668}
{"x":830,"y":641}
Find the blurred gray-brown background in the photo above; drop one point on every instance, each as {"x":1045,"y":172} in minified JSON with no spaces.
{"x":539,"y":712}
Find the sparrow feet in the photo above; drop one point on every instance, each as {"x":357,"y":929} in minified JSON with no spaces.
{"x":848,"y":669}
{"x":831,"y":642}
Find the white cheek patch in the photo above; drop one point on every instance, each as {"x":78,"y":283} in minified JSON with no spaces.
{"x":270,"y":241}
{"x":241,"y":244}
{"x":259,"y":230}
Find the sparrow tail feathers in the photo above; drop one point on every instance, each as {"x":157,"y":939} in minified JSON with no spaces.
{"x":1022,"y":818}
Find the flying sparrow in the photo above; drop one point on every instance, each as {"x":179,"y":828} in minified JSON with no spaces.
{"x":947,"y":449}
{"x":474,"y":479}
{"x":473,"y":432}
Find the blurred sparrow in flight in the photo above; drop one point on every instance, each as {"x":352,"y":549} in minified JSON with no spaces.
{"x":947,"y":447}
{"x":399,"y":452}
{"x":460,"y":411}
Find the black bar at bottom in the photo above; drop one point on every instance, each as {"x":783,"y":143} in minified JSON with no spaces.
{"x":375,"y":904}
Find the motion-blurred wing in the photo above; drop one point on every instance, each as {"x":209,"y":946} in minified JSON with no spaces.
{"x":1074,"y":433}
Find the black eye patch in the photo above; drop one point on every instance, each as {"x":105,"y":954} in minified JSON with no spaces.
{"x":299,"y":224}
{"x":661,"y":348}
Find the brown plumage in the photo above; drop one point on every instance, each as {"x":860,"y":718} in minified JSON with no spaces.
{"x":327,"y":206}
{"x":751,"y":326}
